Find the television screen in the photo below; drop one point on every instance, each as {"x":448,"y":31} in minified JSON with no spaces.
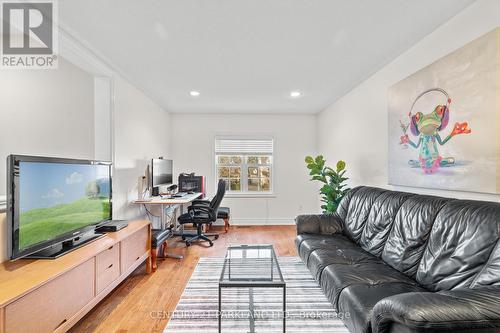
{"x":162,"y":171}
{"x":53,"y":199}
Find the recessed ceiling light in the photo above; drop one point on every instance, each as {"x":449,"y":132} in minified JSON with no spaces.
{"x":295,"y":94}
{"x":194,"y":93}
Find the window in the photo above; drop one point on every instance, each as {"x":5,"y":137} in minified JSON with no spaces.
{"x":245,"y":164}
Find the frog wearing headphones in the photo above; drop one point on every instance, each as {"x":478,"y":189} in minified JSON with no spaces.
{"x":427,"y":127}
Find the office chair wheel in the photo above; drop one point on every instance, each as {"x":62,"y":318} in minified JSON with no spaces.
{"x":183,"y":238}
{"x":211,"y":243}
{"x":216,"y":236}
{"x":188,"y":244}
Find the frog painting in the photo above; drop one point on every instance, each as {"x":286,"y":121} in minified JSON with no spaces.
{"x":426,"y":128}
{"x":443,"y":122}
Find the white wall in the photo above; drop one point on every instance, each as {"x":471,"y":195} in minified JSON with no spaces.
{"x":355,"y":127}
{"x":141,"y":132}
{"x":65,"y":113}
{"x":47,"y":113}
{"x":193,"y":151}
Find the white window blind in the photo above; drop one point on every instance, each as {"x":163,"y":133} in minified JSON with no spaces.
{"x":243,"y":146}
{"x":245,"y":164}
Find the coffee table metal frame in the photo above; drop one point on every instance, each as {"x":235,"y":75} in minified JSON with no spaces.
{"x":251,"y":282}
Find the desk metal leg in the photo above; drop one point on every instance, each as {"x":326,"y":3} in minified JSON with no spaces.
{"x":162,"y":216}
{"x":181,"y":211}
{"x":179,"y":230}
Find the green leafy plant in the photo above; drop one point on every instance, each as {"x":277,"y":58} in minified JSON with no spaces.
{"x":334,"y":187}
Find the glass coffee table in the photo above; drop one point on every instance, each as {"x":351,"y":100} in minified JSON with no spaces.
{"x":251,"y":266}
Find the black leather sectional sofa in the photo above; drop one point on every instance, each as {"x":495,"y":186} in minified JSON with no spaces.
{"x":401,"y":262}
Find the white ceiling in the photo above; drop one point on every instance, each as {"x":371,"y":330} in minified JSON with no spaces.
{"x":247,"y":56}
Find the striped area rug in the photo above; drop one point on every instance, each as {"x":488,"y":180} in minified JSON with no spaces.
{"x":308,"y":310}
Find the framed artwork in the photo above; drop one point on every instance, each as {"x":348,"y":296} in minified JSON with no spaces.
{"x":444,"y":121}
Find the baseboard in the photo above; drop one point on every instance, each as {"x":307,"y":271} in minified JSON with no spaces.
{"x":259,"y":221}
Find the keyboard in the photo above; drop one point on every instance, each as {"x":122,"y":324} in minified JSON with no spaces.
{"x":179,"y":195}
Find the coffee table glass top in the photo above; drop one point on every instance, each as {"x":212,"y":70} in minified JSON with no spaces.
{"x":251,"y":265}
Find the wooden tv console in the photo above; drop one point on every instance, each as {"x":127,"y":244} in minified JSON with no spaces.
{"x":52,"y":295}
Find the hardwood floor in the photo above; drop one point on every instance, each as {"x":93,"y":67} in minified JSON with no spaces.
{"x":128,"y":308}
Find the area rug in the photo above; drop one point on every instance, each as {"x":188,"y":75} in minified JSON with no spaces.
{"x":308,"y":310}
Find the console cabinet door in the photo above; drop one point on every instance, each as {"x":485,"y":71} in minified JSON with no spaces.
{"x":133,"y":248}
{"x":53,"y":304}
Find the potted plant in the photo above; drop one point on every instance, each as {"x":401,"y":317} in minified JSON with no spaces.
{"x":334,"y":187}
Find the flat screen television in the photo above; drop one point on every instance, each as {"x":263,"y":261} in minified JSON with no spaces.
{"x":161,"y":172}
{"x":54,"y":204}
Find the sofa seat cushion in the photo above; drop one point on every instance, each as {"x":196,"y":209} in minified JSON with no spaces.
{"x":335,"y":241}
{"x":358,"y":301}
{"x":321,"y":258}
{"x":336,"y":277}
{"x":300,"y":238}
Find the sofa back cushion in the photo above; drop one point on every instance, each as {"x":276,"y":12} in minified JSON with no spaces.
{"x":490,"y":273}
{"x":407,"y":240}
{"x":359,"y":204}
{"x":380,"y":221}
{"x":440,"y":242}
{"x":461,"y":243}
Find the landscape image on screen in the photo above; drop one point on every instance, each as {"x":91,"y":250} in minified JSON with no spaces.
{"x":56,"y":198}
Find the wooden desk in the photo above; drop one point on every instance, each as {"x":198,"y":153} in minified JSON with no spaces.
{"x":52,"y":295}
{"x":164,"y":202}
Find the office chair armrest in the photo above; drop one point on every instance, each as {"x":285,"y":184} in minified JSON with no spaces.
{"x":193,"y":209}
{"x":200,"y":202}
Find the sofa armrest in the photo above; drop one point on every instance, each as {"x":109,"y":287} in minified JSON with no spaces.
{"x":319,"y":224}
{"x":459,"y":310}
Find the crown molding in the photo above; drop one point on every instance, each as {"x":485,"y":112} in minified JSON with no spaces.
{"x":77,"y":50}
{"x":74,"y":50}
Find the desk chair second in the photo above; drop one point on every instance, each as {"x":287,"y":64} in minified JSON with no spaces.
{"x":200,"y":214}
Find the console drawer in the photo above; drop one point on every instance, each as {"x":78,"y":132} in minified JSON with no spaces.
{"x":54,"y":303}
{"x":108,"y":267}
{"x":133,"y":248}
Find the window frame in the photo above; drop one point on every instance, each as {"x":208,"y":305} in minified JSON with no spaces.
{"x":244,"y":167}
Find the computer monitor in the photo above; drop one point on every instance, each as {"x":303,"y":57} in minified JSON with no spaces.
{"x":161,"y":172}
{"x":191,"y":183}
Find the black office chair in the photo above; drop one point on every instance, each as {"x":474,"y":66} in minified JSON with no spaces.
{"x":200,"y":213}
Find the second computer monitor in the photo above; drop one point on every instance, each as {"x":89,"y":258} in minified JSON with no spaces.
{"x":161,"y":172}
{"x":191,"y":183}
